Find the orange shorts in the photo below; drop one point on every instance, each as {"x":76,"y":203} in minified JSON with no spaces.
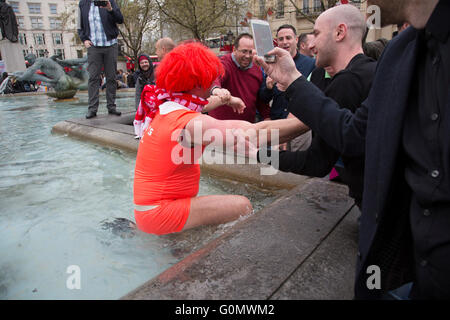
{"x":169,"y":217}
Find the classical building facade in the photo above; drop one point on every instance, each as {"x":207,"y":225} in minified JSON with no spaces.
{"x":279,"y":12}
{"x":48,"y":27}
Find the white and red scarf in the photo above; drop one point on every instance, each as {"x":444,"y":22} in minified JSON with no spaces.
{"x":152,"y":97}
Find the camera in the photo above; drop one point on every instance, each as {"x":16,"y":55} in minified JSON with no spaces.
{"x":100,"y":3}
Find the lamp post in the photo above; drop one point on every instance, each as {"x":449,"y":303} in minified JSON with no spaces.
{"x":230,"y":37}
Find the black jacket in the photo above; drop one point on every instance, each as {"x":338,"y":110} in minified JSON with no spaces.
{"x":142,"y":78}
{"x":349,"y":88}
{"x":376,"y":130}
{"x":109,"y":20}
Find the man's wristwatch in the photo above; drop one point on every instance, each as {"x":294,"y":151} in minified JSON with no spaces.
{"x":268,"y":155}
{"x":212,"y":89}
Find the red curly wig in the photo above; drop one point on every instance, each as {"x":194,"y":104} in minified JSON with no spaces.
{"x":188,"y":66}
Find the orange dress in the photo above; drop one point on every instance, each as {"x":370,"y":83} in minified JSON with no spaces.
{"x":167,"y":174}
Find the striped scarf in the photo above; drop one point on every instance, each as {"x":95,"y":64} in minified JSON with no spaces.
{"x":152,"y":97}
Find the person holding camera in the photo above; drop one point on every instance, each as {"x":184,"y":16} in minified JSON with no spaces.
{"x":97,"y":28}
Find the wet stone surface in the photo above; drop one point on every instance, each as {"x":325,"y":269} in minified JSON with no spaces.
{"x":254,"y":258}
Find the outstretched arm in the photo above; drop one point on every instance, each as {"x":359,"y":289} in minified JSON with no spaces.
{"x":316,"y":161}
{"x":287,"y":129}
{"x":211,"y":128}
{"x":340,"y":128}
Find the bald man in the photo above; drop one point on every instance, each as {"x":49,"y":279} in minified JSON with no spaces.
{"x":164,"y":46}
{"x":337,"y":41}
{"x":338,"y":34}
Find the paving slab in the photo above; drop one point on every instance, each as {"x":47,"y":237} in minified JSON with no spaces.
{"x":104,"y":129}
{"x":329,"y":273}
{"x":256,"y":257}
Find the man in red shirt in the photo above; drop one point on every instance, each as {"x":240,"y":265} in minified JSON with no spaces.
{"x":242,"y":79}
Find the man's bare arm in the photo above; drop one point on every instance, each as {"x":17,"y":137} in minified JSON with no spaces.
{"x":287,"y":129}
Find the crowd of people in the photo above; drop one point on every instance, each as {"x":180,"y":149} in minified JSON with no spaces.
{"x":10,"y":85}
{"x":374,"y":115}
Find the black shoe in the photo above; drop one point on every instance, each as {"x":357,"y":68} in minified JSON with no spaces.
{"x":91,"y":114}
{"x":115,"y":112}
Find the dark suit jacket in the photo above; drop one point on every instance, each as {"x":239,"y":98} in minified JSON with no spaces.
{"x":376,"y":130}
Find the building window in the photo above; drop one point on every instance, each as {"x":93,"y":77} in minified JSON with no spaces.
{"x":21,"y":22}
{"x":57,"y":38}
{"x":39,"y":39}
{"x":25,"y":52}
{"x":22,"y":38}
{"x":36,"y":23}
{"x":317,"y":5}
{"x":356,"y":3}
{"x":34,"y":8}
{"x":15,"y":6}
{"x":60,"y":53}
{"x":53,"y":8}
{"x":305,"y":6}
{"x":40,"y":53}
{"x":280,"y":9}
{"x":55,"y":23}
{"x":262,"y":7}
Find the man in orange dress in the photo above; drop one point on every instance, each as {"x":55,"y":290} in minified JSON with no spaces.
{"x":167,"y":172}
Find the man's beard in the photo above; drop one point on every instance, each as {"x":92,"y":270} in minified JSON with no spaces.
{"x":325,"y":56}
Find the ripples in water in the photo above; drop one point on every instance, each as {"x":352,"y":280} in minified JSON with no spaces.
{"x":68,"y":202}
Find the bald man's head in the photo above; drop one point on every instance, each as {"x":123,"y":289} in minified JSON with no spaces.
{"x":347,"y":15}
{"x":337,"y":30}
{"x":164,"y":46}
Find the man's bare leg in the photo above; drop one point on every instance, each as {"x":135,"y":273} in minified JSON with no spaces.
{"x":217,"y":209}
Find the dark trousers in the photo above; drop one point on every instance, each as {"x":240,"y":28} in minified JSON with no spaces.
{"x":99,"y":57}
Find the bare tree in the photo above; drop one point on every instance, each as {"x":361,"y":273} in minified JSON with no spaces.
{"x":324,"y":5}
{"x":140,"y":16}
{"x":68,"y":21}
{"x":202,"y":17}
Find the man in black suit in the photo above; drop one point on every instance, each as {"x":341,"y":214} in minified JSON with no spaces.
{"x":403,"y":128}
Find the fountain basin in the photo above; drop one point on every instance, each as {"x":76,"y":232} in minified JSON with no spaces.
{"x":301,"y":246}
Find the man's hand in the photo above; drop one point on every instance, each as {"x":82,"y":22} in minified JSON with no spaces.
{"x":108,"y":6}
{"x":283,"y":70}
{"x":269,"y":83}
{"x":237,"y":104}
{"x":226,"y":98}
{"x":280,"y":87}
{"x":222,"y":93}
{"x":87,"y":44}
